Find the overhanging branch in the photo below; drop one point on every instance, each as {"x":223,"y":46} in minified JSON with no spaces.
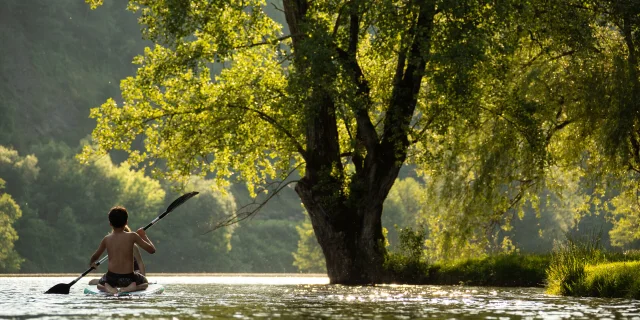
{"x":260,"y":114}
{"x":250,"y":209}
{"x":277,"y":125}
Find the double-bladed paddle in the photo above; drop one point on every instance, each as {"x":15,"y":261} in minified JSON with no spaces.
{"x":63,"y":288}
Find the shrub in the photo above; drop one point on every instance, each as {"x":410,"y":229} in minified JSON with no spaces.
{"x":407,"y":265}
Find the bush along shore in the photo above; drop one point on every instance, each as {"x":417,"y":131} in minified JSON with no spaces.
{"x":574,"y":268}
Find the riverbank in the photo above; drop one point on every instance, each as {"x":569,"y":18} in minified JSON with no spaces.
{"x":604,"y":280}
{"x":514,"y":270}
{"x":579,"y":268}
{"x":504,"y":270}
{"x":572,"y":270}
{"x":155,"y":274}
{"x":584,"y":269}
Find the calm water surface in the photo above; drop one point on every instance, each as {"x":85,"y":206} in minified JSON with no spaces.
{"x":300,"y":298}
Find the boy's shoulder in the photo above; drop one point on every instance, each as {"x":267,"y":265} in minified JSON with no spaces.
{"x":131,"y":235}
{"x":120,"y":235}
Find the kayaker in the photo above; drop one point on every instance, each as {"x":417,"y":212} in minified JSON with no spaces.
{"x":138,"y":263}
{"x":119,"y":244}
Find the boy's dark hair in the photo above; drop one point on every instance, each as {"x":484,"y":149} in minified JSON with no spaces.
{"x":118,"y":217}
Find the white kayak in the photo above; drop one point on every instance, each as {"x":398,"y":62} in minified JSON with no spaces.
{"x":153,"y":288}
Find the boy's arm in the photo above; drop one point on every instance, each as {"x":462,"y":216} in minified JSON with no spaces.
{"x":138,"y":256}
{"x":96,"y":255}
{"x":143,"y":241}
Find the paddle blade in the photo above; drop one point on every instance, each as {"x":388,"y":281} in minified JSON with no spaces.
{"x":60,"y":288}
{"x":181,"y":200}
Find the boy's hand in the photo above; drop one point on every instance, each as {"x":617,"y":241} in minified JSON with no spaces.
{"x":93,"y":265}
{"x":144,"y":242}
{"x":141,"y":233}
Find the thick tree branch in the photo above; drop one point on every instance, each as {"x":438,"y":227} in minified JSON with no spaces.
{"x":366,"y":131}
{"x":405,"y":90}
{"x":277,"y":125}
{"x":337,"y":25}
{"x":323,"y":149}
{"x":632,"y":58}
{"x":260,"y":114}
{"x":294,"y":12}
{"x":354,"y":30}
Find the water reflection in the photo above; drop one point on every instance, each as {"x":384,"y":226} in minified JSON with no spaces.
{"x":301,"y":297}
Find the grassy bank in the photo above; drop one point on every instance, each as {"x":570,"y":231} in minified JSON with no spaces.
{"x":512,"y":270}
{"x":606,"y":280}
{"x":575,"y":268}
{"x":613,"y":280}
{"x":584,"y":269}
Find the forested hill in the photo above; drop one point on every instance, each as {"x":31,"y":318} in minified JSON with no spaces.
{"x":58,"y":59}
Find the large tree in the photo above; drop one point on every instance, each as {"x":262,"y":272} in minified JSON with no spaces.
{"x":346,"y":92}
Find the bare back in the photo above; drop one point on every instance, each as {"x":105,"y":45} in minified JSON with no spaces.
{"x":119,"y":246}
{"x":120,"y":250}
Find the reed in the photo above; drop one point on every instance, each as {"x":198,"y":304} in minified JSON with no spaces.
{"x":566,"y":273}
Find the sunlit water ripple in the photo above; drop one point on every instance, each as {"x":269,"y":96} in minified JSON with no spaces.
{"x":298,"y":297}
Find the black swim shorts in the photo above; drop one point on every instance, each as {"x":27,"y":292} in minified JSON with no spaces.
{"x":122,"y":280}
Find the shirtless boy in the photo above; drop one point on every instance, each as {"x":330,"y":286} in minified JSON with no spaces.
{"x":119,"y":246}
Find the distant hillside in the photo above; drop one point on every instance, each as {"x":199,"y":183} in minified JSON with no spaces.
{"x":58,"y":59}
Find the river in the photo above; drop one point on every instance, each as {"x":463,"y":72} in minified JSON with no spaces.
{"x":299,"y":297}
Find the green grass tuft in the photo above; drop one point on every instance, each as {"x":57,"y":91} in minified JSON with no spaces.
{"x":582,"y":268}
{"x":612,"y":280}
{"x":566,"y":273}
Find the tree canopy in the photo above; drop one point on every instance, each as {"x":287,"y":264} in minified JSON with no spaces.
{"x":497,"y":103}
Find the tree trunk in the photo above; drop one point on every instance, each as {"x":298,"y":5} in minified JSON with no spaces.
{"x":348,"y":223}
{"x":351,"y":238}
